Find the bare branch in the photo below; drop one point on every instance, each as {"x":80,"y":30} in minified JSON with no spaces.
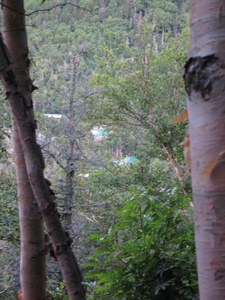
{"x":54,"y":157}
{"x":46,"y":9}
{"x":3,"y":291}
{"x":9,"y":286}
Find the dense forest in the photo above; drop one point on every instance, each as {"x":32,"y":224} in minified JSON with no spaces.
{"x":109,"y":80}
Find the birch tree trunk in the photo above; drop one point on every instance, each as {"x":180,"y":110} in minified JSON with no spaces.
{"x":18,"y":92}
{"x":205,"y":87}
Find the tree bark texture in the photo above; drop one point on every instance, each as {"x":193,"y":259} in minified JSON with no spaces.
{"x":32,"y":258}
{"x":18,"y":93}
{"x":205,"y":87}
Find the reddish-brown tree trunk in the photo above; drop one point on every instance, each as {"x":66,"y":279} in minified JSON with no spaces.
{"x":205,"y":83}
{"x":32,"y":258}
{"x":32,"y":266}
{"x":18,"y":91}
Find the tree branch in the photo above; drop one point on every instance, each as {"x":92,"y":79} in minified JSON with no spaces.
{"x":54,"y":157}
{"x":46,"y":9}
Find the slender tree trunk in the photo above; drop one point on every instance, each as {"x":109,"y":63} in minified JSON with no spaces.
{"x":19,"y":96}
{"x":32,"y":257}
{"x":205,"y":82}
{"x":61,"y":245}
{"x":70,"y":167}
{"x":32,"y":263}
{"x":171,"y":158}
{"x":176,"y":168}
{"x":67,"y":214}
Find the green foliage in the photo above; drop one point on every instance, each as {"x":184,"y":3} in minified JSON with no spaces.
{"x":4,"y":130}
{"x":60,"y":292}
{"x":9,"y":221}
{"x":142,"y":94}
{"x":140,"y":239}
{"x":148,"y":253}
{"x":93,"y":26}
{"x":8,"y":212}
{"x":129,"y":78}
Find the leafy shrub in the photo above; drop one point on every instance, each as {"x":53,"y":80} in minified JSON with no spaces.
{"x":148,"y":253}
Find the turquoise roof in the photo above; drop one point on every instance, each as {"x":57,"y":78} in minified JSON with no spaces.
{"x":128,"y":160}
{"x":99,"y":132}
